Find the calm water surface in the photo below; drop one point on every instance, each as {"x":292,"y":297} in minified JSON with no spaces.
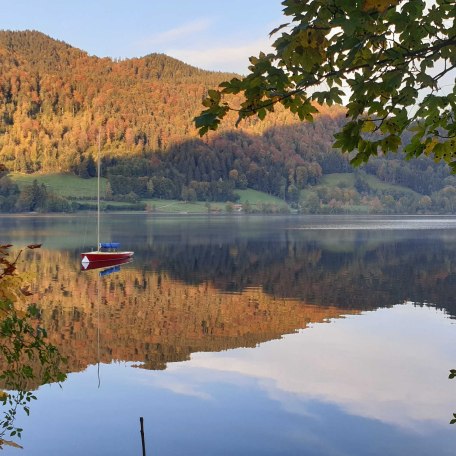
{"x":246,"y":336}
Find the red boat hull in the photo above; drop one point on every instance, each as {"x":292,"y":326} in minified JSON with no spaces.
{"x":104,"y":264}
{"x":89,"y":257}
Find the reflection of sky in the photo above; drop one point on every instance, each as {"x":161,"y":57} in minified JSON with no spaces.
{"x":375,"y":383}
{"x":390,"y":365}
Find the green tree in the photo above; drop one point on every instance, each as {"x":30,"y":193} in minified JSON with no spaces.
{"x":9,"y":191}
{"x":150,"y":188}
{"x":293,"y":193}
{"x":389,"y":56}
{"x":91,"y":166}
{"x":33,"y":197}
{"x":312,"y":204}
{"x":56,"y":203}
{"x":184,"y":193}
{"x":191,"y":195}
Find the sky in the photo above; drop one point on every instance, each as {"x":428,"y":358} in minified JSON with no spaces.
{"x":210,"y":34}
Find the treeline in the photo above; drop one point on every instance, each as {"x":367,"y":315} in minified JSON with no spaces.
{"x":280,"y":162}
{"x":288,"y":162}
{"x":32,"y":198}
{"x":365,"y":195}
{"x":39,"y":198}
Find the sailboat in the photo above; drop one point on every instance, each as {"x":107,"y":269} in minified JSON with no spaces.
{"x":104,"y":264}
{"x":106,"y":251}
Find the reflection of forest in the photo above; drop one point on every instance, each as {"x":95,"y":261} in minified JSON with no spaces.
{"x":179,"y":298}
{"x":148,"y":318}
{"x":357,"y":271}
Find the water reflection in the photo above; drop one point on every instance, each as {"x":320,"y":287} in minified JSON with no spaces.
{"x":378,"y":365}
{"x":372,"y":383}
{"x":295,"y":335}
{"x":149,"y":318}
{"x":197,"y":288}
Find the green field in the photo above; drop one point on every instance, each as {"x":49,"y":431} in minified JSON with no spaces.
{"x":338,"y":180}
{"x":65,"y":185}
{"x":181,"y":207}
{"x":377,"y":184}
{"x":347,"y":180}
{"x":74,"y":187}
{"x":253,"y":197}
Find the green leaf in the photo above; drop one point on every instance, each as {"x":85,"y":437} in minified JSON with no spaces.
{"x":277,"y":29}
{"x":261,"y":113}
{"x":348,"y":43}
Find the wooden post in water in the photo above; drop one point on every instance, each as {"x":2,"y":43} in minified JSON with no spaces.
{"x":143,"y":442}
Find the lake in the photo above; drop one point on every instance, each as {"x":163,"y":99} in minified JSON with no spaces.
{"x":248,"y":335}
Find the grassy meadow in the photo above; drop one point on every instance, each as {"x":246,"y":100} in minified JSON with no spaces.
{"x":70,"y":186}
{"x":85,"y":190}
{"x":66,"y":185}
{"x":348,"y":181}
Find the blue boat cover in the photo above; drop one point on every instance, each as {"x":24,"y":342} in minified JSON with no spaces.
{"x":109,"y":245}
{"x":109,"y":271}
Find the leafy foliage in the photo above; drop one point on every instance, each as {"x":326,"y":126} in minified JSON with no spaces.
{"x":23,"y":347}
{"x":388,"y":55}
{"x":289,"y":162}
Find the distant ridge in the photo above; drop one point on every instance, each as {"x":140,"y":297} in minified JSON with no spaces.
{"x":36,"y":48}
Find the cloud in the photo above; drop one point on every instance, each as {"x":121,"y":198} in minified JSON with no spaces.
{"x":221,"y":58}
{"x":388,"y":365}
{"x":176,"y":33}
{"x":175,"y":385}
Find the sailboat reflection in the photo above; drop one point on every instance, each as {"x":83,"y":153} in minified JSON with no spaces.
{"x":108,"y":267}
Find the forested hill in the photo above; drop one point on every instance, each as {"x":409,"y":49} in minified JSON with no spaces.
{"x":54,"y":98}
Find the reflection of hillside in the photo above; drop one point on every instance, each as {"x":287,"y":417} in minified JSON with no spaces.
{"x":381,"y":275}
{"x":175,"y":298}
{"x":147,"y":317}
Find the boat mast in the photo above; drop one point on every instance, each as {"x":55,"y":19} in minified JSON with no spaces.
{"x":98,"y":192}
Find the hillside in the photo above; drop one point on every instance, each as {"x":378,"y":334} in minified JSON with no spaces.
{"x":55,"y":99}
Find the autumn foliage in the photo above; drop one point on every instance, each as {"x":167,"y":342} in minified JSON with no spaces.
{"x":56,"y":98}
